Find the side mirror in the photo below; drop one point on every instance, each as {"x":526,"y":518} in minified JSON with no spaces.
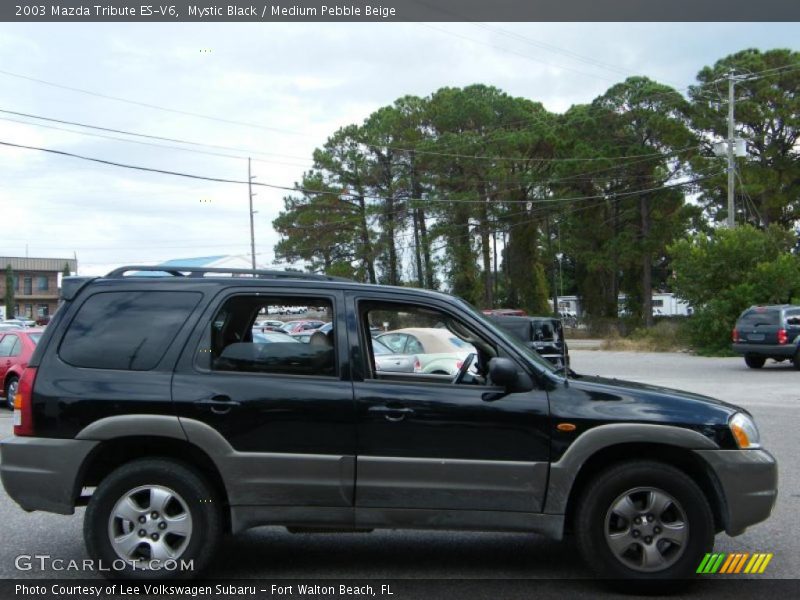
{"x":503,"y":372}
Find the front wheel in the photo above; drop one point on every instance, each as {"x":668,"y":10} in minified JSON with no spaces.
{"x":644,"y":520}
{"x":152,"y":519}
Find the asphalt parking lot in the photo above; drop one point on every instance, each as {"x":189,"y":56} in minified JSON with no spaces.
{"x":771,"y":394}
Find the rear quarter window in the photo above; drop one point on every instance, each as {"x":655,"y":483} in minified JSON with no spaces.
{"x":126,"y":330}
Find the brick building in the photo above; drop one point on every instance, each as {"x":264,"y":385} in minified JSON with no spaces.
{"x":35,"y":283}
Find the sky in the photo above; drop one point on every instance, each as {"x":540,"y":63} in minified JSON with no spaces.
{"x":272,"y":92}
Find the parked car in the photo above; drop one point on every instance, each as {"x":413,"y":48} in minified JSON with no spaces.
{"x":763,"y":332}
{"x":16,"y":349}
{"x":268,"y":325}
{"x":292,"y":327}
{"x":176,"y":430}
{"x":388,"y":361}
{"x":19,"y":322}
{"x":437,"y":350}
{"x":272,"y":337}
{"x":545,"y":335}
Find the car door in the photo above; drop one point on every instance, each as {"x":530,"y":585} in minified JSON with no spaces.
{"x":286,"y":415}
{"x":428,"y":447}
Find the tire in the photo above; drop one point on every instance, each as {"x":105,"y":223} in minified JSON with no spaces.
{"x":11,"y":389}
{"x":754,"y":362}
{"x":190,"y":526}
{"x":599,"y":520}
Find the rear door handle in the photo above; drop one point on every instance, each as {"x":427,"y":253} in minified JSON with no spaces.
{"x":392,"y":414}
{"x":219,"y":405}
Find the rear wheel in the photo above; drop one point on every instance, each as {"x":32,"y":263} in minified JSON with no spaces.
{"x":754,"y":362}
{"x":151,"y":518}
{"x":643,"y":521}
{"x":11,"y":390}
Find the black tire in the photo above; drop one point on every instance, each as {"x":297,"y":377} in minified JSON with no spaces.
{"x":10,"y":391}
{"x":604,"y":491}
{"x":201,"y":503}
{"x":754,"y":362}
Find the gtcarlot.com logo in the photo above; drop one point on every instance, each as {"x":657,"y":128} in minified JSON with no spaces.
{"x":744,"y":562}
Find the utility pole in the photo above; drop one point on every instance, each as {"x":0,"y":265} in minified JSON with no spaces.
{"x":731,"y":164}
{"x":250,"y":195}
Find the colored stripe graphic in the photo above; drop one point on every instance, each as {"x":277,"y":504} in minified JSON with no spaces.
{"x":728,"y":563}
{"x":765,"y":563}
{"x":721,"y":562}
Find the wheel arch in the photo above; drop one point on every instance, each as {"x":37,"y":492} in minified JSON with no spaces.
{"x":110,"y":454}
{"x":681,"y":458}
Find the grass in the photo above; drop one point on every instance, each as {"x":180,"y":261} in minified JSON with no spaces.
{"x":665,"y":336}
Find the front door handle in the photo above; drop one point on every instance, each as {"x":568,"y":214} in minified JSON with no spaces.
{"x":392,"y":414}
{"x":219,"y":405}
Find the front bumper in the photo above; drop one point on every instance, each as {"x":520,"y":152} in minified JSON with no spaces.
{"x":782,"y":350}
{"x":43,"y":473}
{"x":749,"y":481}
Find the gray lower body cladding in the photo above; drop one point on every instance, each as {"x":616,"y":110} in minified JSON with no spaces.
{"x":749,"y":481}
{"x":42,"y":473}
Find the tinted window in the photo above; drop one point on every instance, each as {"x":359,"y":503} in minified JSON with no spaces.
{"x":35,"y":337}
{"x":235,"y":347}
{"x":759,"y":316}
{"x":126,"y":330}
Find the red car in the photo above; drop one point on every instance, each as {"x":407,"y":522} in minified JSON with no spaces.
{"x":16,"y":348}
{"x":292,"y":327}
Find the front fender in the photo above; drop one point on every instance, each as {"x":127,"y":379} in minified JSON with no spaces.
{"x":564,"y":472}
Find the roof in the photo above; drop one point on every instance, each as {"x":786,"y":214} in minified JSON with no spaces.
{"x":19,"y":263}
{"x":435,"y":340}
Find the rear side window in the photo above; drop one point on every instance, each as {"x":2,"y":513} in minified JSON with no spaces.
{"x":759,"y":316}
{"x":126,"y":330}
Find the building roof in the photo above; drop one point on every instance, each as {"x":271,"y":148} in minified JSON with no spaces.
{"x":198,"y":261}
{"x":38,"y":264}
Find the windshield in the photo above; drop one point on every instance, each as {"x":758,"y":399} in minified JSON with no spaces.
{"x":759,"y":316}
{"x":511,"y":340}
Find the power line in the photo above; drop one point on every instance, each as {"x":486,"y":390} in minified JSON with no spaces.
{"x":148,"y":105}
{"x":281,"y":187}
{"x":146,"y":135}
{"x":152,"y":145}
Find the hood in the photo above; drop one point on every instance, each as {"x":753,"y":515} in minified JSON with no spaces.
{"x":604,"y":399}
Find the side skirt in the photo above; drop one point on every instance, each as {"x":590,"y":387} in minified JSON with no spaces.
{"x":335,"y":518}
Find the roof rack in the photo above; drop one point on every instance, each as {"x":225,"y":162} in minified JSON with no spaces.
{"x":190,"y":271}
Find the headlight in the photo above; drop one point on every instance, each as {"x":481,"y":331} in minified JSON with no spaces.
{"x":744,"y":431}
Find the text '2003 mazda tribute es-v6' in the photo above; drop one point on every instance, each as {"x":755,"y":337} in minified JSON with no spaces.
{"x":148,"y":400}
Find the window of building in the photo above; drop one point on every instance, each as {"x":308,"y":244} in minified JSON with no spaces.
{"x":29,"y":310}
{"x":43,"y":310}
{"x":27,"y":286}
{"x":42,"y":283}
{"x":126,"y":330}
{"x":235,"y":347}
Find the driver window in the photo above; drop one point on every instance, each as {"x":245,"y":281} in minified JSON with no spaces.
{"x":423,"y":344}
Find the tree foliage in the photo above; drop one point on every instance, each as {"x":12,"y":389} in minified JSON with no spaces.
{"x":722,"y":274}
{"x":498,"y":200}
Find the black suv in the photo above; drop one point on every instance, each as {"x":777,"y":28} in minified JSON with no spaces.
{"x":148,"y":400}
{"x":763,"y":332}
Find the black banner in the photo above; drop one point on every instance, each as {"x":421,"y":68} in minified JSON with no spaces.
{"x":399,"y":10}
